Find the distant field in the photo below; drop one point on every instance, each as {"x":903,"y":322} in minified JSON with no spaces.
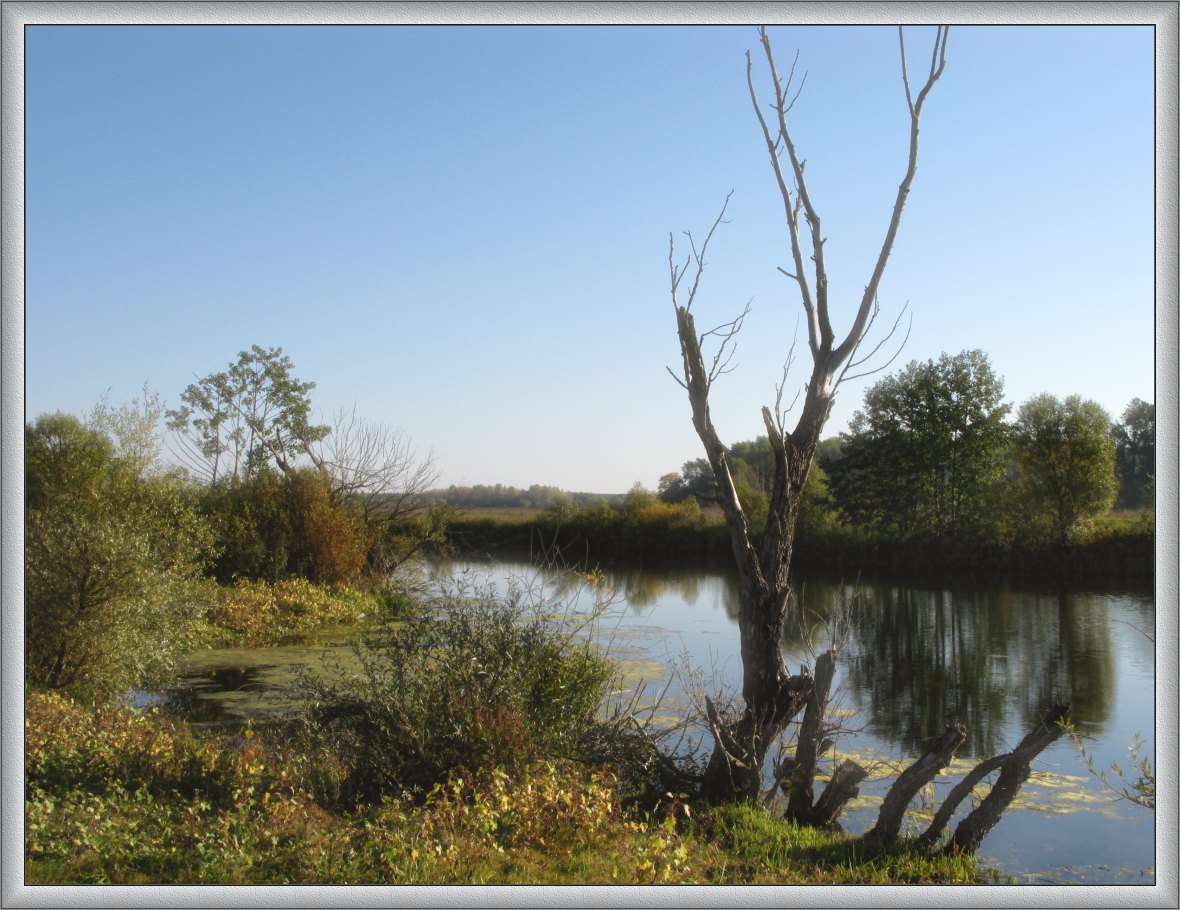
{"x":503,"y":514}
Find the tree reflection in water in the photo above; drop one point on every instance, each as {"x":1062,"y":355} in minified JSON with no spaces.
{"x":919,"y":656}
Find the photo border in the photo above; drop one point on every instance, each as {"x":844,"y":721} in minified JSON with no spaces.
{"x":15,"y":16}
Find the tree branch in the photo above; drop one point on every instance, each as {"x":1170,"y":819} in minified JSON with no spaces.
{"x":937,"y":64}
{"x":791,"y":208}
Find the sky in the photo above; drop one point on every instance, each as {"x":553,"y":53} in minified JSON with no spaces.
{"x":463,"y":231}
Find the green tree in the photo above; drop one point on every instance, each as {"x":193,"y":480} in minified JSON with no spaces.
{"x":751,"y":465}
{"x":671,"y":488}
{"x":1065,"y":461}
{"x":815,"y":511}
{"x":927,"y":450}
{"x":253,"y":413}
{"x":638,"y":497}
{"x":695,"y":479}
{"x":1134,"y":441}
{"x":110,"y":552}
{"x":247,"y":432}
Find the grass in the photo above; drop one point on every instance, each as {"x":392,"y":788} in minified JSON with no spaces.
{"x":502,"y":514}
{"x":123,"y":797}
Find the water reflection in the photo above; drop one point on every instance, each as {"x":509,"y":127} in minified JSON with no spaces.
{"x":993,"y":660}
{"x":640,"y":589}
{"x":917,"y":658}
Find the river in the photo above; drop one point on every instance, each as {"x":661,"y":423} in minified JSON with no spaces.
{"x":916,"y":657}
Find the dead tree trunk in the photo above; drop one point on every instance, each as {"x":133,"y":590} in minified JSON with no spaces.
{"x":841,"y":789}
{"x":913,"y":779}
{"x":809,"y":747}
{"x":772,"y":696}
{"x":1014,"y":768}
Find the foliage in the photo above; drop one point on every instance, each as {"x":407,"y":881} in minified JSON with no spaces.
{"x":1135,"y":784}
{"x":1134,"y":440}
{"x":234,"y":422}
{"x":273,"y":527}
{"x":133,"y":429}
{"x":473,"y":680}
{"x":69,"y":746}
{"x":259,"y":611}
{"x":751,"y":463}
{"x":332,"y":539}
{"x":115,"y":795}
{"x":110,"y":552}
{"x":694,"y":480}
{"x":927,"y":451}
{"x":1065,"y":462}
{"x":486,"y":496}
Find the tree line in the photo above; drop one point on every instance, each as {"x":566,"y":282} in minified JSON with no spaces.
{"x":932,"y":453}
{"x":499,"y":496}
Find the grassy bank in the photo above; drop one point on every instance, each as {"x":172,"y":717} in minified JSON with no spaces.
{"x":1116,"y":549}
{"x":251,"y":613}
{"x":118,"y":796}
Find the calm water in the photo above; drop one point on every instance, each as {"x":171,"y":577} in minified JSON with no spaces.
{"x":916,"y":658}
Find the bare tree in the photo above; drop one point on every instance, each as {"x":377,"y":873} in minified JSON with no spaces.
{"x":772,"y":696}
{"x":376,"y":466}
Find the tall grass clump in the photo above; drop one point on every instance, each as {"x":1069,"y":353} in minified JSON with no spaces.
{"x":470,"y":680}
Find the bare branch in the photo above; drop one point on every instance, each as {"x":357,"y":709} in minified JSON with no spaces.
{"x":938,"y":62}
{"x":679,"y":381}
{"x":905,"y":78}
{"x":699,"y":257}
{"x":698,"y":382}
{"x":887,"y":363}
{"x":375,"y":465}
{"x":853,"y":363}
{"x":813,"y":220}
{"x":777,"y":428}
{"x":790,"y":207}
{"x":726,"y":332}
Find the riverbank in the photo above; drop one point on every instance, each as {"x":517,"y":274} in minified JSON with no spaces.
{"x":116,"y":796}
{"x":1118,"y":550}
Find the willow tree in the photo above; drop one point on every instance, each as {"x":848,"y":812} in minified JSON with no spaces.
{"x":772,"y":696}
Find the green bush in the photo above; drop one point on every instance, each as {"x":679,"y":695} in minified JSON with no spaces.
{"x":469,"y":681}
{"x":273,"y":526}
{"x":111,"y":551}
{"x":114,"y":748}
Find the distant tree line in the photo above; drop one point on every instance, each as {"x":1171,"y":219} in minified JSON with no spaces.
{"x":498,"y":496}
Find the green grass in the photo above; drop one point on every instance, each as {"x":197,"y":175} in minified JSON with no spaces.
{"x":115,"y":796}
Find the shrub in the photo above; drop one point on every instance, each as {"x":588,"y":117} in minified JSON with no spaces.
{"x":116,"y":748}
{"x":468,"y":681}
{"x":110,"y":554}
{"x":261,"y":611}
{"x":273,"y":526}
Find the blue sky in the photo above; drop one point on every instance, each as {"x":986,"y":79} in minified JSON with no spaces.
{"x":464,"y":230}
